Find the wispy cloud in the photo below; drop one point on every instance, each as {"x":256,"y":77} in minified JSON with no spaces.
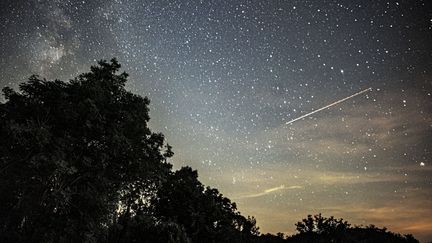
{"x":269,"y":191}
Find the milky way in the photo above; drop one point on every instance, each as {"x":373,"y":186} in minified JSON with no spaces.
{"x":224,"y":78}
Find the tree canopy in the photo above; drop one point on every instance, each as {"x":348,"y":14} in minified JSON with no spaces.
{"x":74,"y":150}
{"x":204,"y":212}
{"x":319,"y":229}
{"x":78,"y":163}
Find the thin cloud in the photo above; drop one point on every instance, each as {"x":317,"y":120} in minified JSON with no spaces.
{"x":271,"y":190}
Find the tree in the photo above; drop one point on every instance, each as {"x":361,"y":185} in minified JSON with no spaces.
{"x":70,"y":152}
{"x":78,"y":163}
{"x":205,"y":214}
{"x":321,"y":225}
{"x":145,"y":228}
{"x":321,"y":229}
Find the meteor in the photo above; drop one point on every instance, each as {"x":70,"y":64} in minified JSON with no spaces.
{"x":328,"y":106}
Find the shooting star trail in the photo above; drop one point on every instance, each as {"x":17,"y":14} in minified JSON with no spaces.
{"x":328,"y":106}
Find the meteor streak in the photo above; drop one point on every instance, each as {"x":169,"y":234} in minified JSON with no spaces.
{"x":328,"y":106}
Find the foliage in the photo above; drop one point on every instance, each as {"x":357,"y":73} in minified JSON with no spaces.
{"x":321,"y":229}
{"x":78,"y":163}
{"x":321,"y":225}
{"x":205,"y":214}
{"x":73,"y":151}
{"x":144,"y":228}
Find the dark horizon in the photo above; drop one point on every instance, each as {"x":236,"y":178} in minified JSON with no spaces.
{"x":225,"y":78}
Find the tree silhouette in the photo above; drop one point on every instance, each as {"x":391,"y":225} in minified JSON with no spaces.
{"x":78,"y":163}
{"x":73,"y":151}
{"x":145,"y":228}
{"x":321,"y":229}
{"x":321,"y":225}
{"x":206,"y":215}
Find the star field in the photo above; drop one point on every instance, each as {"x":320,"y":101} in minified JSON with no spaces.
{"x":224,"y":78}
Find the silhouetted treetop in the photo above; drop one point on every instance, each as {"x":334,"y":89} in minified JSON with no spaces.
{"x":73,"y":151}
{"x":319,"y":229}
{"x":205,"y":213}
{"x":78,"y":163}
{"x":320,"y":225}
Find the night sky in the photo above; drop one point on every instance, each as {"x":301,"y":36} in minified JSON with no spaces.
{"x":224,"y":78}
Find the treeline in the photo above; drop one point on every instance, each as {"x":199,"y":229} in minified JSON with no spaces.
{"x":78,"y":163}
{"x":320,"y":229}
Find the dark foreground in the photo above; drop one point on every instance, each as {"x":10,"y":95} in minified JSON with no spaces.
{"x":78,"y":163}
